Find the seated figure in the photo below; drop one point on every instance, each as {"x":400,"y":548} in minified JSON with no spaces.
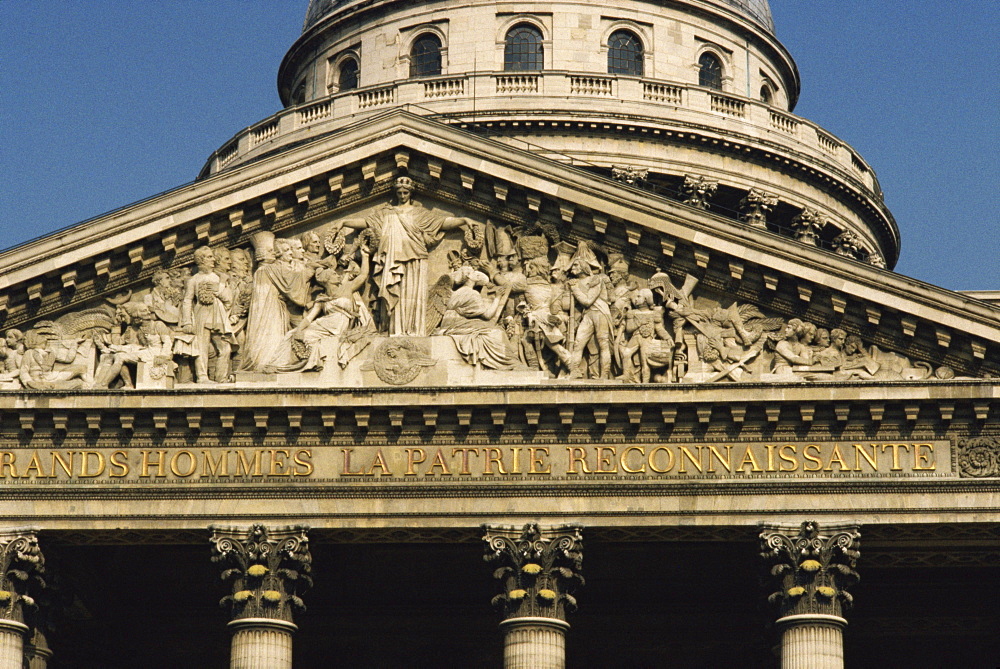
{"x":470,"y":320}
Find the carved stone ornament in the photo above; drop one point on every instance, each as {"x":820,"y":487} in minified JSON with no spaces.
{"x":267,"y":571}
{"x":22,"y":570}
{"x":538,"y":571}
{"x":698,"y":190}
{"x":408,"y":293}
{"x":847,"y":244}
{"x":812,"y":568}
{"x":398,"y":361}
{"x":979,"y":457}
{"x":633,"y":176}
{"x":875,"y":259}
{"x":755,"y":207}
{"x":807,"y":226}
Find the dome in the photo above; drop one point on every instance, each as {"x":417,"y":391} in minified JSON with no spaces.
{"x":757,"y":10}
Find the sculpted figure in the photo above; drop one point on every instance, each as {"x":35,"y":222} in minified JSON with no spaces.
{"x":790,"y":351}
{"x":11,"y":352}
{"x":338,"y":312}
{"x":163,"y":300}
{"x":589,"y":289}
{"x":280,"y":285}
{"x":405,"y":232}
{"x":546,"y":320}
{"x":822,"y":340}
{"x":313,"y":252}
{"x":205,"y":314}
{"x":833,"y":355}
{"x":470,"y":320}
{"x":647,"y":339}
{"x":807,"y":334}
{"x":143,"y":338}
{"x":39,"y":364}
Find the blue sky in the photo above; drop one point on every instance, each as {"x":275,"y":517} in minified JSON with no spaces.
{"x":103,"y":103}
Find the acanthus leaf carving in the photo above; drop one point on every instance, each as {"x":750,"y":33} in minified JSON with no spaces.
{"x":812,"y":568}
{"x":538,"y":570}
{"x":266,"y":570}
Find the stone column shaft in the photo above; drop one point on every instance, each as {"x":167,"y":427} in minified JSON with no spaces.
{"x":812,"y":642}
{"x":37,"y":652}
{"x":260,"y":643}
{"x":12,"y":635}
{"x":534,"y":643}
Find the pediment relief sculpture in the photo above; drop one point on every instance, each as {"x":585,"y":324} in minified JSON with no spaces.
{"x":401,"y":293}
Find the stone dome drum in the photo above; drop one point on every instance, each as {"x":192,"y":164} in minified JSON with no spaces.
{"x":758,"y":10}
{"x":676,"y":89}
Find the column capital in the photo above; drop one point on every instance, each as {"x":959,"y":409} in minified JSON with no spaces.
{"x":538,"y":570}
{"x":267,"y":570}
{"x":812,"y":568}
{"x":22,"y":566}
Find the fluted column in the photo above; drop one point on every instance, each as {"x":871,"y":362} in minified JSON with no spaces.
{"x":812,"y":570}
{"x":37,"y":652}
{"x":538,"y":572}
{"x":266,"y":572}
{"x":21,"y":567}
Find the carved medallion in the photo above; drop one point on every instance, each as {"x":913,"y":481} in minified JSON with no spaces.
{"x":979,"y":457}
{"x":399,"y":361}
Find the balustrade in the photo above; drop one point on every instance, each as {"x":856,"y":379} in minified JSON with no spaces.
{"x":444,"y":88}
{"x":444,"y":93}
{"x":517,"y":84}
{"x":376,"y":97}
{"x":592,"y":86}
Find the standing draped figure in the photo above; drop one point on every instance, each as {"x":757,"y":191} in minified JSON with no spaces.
{"x":278,"y":283}
{"x":404,"y":233}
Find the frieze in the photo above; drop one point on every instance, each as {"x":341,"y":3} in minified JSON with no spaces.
{"x":401,"y":294}
{"x":289,"y":463}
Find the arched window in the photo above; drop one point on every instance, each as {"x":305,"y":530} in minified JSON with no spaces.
{"x":625,"y":53}
{"x":765,"y":94}
{"x":710,"y":71}
{"x":425,"y":56}
{"x":299,"y":95}
{"x":523,"y":49}
{"x":347,"y":79}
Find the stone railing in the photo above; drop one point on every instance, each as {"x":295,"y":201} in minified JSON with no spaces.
{"x":596,"y":95}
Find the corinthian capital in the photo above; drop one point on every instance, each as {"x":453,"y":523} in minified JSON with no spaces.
{"x":538,"y":570}
{"x":22,"y":566}
{"x":812,"y":567}
{"x":696,"y":191}
{"x":267,"y":570}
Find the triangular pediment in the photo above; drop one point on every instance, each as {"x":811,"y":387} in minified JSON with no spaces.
{"x":723,"y":293}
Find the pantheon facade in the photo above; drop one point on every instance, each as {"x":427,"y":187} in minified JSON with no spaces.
{"x":526,"y":335}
